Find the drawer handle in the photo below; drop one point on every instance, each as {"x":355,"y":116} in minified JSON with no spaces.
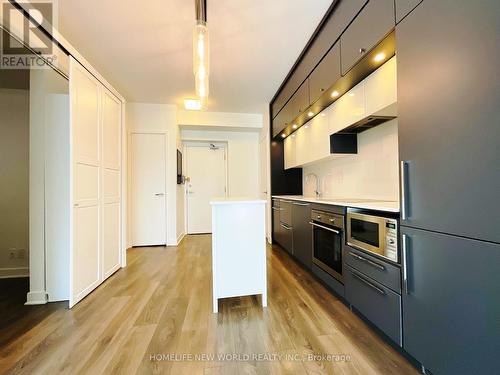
{"x":300,"y":204}
{"x":277,"y":209}
{"x":362,"y":50}
{"x":285,"y":227}
{"x":376,"y":265}
{"x":374,"y":287}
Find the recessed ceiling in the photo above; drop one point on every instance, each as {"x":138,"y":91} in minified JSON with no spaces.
{"x":144,"y":48}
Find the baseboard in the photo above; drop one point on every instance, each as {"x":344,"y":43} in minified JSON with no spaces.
{"x":36,"y":298}
{"x":11,"y":273}
{"x":180,"y":238}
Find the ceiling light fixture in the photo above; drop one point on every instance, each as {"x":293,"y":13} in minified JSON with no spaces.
{"x":201,"y":52}
{"x":379,"y":57}
{"x":192,"y":104}
{"x":335,"y":94}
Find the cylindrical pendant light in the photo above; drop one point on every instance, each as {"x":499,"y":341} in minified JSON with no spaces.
{"x":201,"y":55}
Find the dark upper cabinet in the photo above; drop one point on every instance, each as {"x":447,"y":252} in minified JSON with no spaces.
{"x":299,"y":101}
{"x":302,"y":233}
{"x":451,"y":310}
{"x":448,"y":116}
{"x":371,"y":25}
{"x":336,"y":23}
{"x":403,"y":7}
{"x":281,"y":121}
{"x":325,"y":74}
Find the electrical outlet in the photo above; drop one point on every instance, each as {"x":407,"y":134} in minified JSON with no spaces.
{"x":12,"y":253}
{"x":21,"y":253}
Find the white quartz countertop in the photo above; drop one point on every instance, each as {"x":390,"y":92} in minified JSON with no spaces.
{"x":369,"y":204}
{"x":236,"y":200}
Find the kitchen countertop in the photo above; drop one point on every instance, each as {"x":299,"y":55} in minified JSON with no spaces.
{"x":369,"y":204}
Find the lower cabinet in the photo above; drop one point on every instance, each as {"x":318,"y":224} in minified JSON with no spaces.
{"x":285,"y":237}
{"x":379,"y":304}
{"x":302,"y":233}
{"x":451,"y":307}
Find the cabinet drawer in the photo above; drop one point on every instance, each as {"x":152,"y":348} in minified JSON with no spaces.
{"x":286,"y":237}
{"x":378,"y":304}
{"x":368,"y":28}
{"x":383,"y":272}
{"x":286,"y":212}
{"x":325,"y":74}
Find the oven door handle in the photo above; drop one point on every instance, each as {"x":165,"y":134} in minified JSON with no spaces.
{"x":325,"y":228}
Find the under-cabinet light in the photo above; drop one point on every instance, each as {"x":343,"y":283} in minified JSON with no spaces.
{"x":294,"y":126}
{"x":335,"y":94}
{"x":379,"y":57}
{"x":310,"y":114}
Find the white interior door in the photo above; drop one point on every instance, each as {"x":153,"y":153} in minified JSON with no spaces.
{"x":85,"y":172}
{"x":148,"y":189}
{"x":206,"y":169}
{"x":111,"y":191}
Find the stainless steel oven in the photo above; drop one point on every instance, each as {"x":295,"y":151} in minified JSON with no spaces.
{"x":373,"y":233}
{"x":327,"y":236}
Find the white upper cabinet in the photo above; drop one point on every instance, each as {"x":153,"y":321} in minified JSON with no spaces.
{"x":375,"y":95}
{"x":381,"y":89}
{"x":348,"y":109}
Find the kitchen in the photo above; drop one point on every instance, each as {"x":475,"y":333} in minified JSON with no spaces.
{"x":377,"y":176}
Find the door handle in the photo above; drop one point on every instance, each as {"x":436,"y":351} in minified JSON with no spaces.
{"x":160,"y":194}
{"x":404,"y":189}
{"x":323,"y":227}
{"x":405,"y":264}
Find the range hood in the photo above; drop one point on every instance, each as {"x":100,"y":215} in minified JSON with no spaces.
{"x":366,"y":123}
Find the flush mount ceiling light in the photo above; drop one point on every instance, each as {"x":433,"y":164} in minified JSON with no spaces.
{"x":379,"y":57}
{"x":192,"y":104}
{"x":201,"y":55}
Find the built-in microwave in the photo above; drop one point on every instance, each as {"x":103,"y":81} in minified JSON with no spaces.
{"x":373,"y":233}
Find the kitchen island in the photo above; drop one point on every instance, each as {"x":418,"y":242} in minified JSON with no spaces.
{"x":238,"y":248}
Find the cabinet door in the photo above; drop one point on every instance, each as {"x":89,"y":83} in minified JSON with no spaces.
{"x":325,"y":74}
{"x":403,"y":7}
{"x":289,"y":150}
{"x":302,"y":233}
{"x":451,"y":309}
{"x":111,"y":184}
{"x":348,"y":109}
{"x":85,"y":172}
{"x":368,"y":28}
{"x":299,"y":101}
{"x":286,"y":212}
{"x":276,"y":219}
{"x":448,"y":118}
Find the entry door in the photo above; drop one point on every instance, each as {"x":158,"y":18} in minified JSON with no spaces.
{"x":206,"y":169}
{"x":148,"y":189}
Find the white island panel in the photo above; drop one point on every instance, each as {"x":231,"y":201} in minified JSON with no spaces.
{"x":238,"y":248}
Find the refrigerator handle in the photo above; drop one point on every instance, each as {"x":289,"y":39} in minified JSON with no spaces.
{"x":405,"y":264}
{"x":404,"y":189}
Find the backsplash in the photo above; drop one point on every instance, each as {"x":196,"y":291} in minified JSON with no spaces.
{"x":371,"y":174}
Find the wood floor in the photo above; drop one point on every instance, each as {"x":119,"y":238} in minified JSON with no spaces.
{"x":151,"y":316}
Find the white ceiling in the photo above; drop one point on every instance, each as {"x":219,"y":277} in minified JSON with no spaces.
{"x":144,"y":48}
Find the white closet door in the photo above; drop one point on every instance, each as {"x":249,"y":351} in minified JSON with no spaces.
{"x":111,"y":157}
{"x":85,"y":174}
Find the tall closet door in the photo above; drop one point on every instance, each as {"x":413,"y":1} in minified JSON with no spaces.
{"x":111,"y":161}
{"x":85,"y":174}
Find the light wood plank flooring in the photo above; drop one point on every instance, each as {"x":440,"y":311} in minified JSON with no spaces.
{"x":160,"y":306}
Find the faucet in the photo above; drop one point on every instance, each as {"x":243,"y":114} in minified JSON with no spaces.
{"x":317,"y":191}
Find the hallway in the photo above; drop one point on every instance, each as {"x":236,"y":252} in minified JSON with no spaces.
{"x":151,"y":316}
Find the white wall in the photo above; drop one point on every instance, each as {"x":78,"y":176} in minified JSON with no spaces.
{"x":14,"y":180}
{"x":242,"y":157}
{"x":371,"y":174}
{"x":219,"y":120}
{"x":146,"y":117}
